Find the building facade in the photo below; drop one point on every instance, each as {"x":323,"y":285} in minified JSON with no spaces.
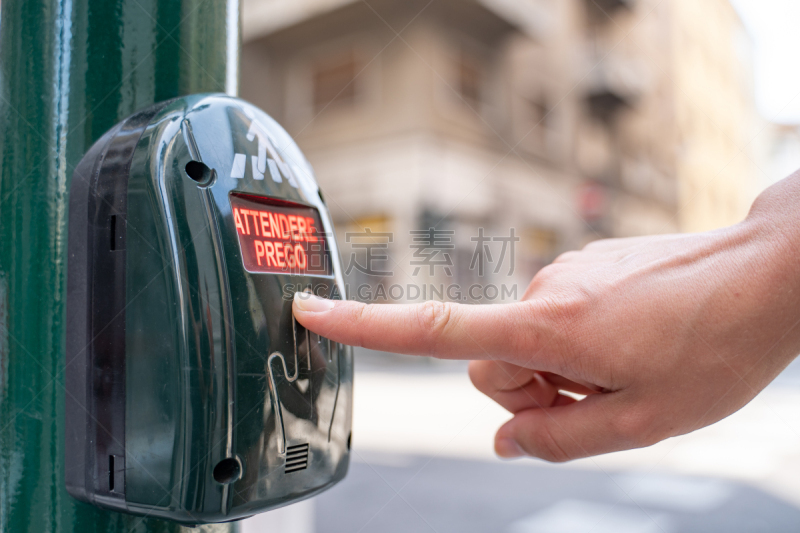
{"x":469,"y":142}
{"x":718,"y":168}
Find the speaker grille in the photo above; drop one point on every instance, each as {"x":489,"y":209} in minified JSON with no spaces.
{"x":296,"y":458}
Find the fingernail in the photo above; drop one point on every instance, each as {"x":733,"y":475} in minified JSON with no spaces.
{"x":310,"y":303}
{"x":508,"y":449}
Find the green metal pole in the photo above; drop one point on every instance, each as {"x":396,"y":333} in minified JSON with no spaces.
{"x":70,"y":70}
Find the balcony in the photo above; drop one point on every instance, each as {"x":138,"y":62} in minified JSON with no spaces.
{"x":613,"y":82}
{"x":600,"y":10}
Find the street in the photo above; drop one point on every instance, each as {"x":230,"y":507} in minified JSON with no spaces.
{"x":423,"y":461}
{"x":442,"y":495}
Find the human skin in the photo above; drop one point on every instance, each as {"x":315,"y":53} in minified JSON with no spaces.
{"x":663,"y":334}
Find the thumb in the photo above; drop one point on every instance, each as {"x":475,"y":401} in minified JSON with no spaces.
{"x":595,"y":425}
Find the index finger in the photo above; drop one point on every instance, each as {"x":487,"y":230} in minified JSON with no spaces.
{"x":437,"y":329}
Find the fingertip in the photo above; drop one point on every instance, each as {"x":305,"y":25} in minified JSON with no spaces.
{"x":508,"y":448}
{"x":305,"y":302}
{"x":506,"y":431}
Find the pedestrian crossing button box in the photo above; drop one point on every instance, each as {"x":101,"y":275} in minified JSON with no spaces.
{"x":192,"y":394}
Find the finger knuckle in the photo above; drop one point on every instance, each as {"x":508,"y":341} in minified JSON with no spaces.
{"x":631,"y":429}
{"x":572,"y":308}
{"x":569,"y":307}
{"x":546,"y":277}
{"x":564,"y":314}
{"x":548,"y":272}
{"x":434,"y":320}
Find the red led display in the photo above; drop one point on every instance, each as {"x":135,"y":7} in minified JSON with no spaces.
{"x":280,"y":237}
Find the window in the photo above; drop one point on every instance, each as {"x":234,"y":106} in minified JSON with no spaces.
{"x":470,"y":79}
{"x":541,"y":243}
{"x":541,"y":120}
{"x":540,"y":248}
{"x":334,"y":82}
{"x":367,"y":250}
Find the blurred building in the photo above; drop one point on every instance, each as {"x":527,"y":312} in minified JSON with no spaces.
{"x":715,"y":114}
{"x":782,"y":152}
{"x":566,"y":120}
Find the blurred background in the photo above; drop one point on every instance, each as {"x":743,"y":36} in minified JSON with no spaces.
{"x":468,"y":143}
{"x":464,"y":144}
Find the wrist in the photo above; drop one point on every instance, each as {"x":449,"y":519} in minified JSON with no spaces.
{"x":768,"y":257}
{"x":775,"y":219}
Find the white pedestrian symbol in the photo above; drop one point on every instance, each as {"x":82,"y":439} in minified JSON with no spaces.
{"x":267,"y":157}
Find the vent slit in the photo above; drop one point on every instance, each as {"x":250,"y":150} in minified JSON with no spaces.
{"x":112,"y":229}
{"x":111,"y":473}
{"x":296,"y":458}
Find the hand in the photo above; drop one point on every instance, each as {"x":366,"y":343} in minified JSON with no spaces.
{"x":663,"y":335}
